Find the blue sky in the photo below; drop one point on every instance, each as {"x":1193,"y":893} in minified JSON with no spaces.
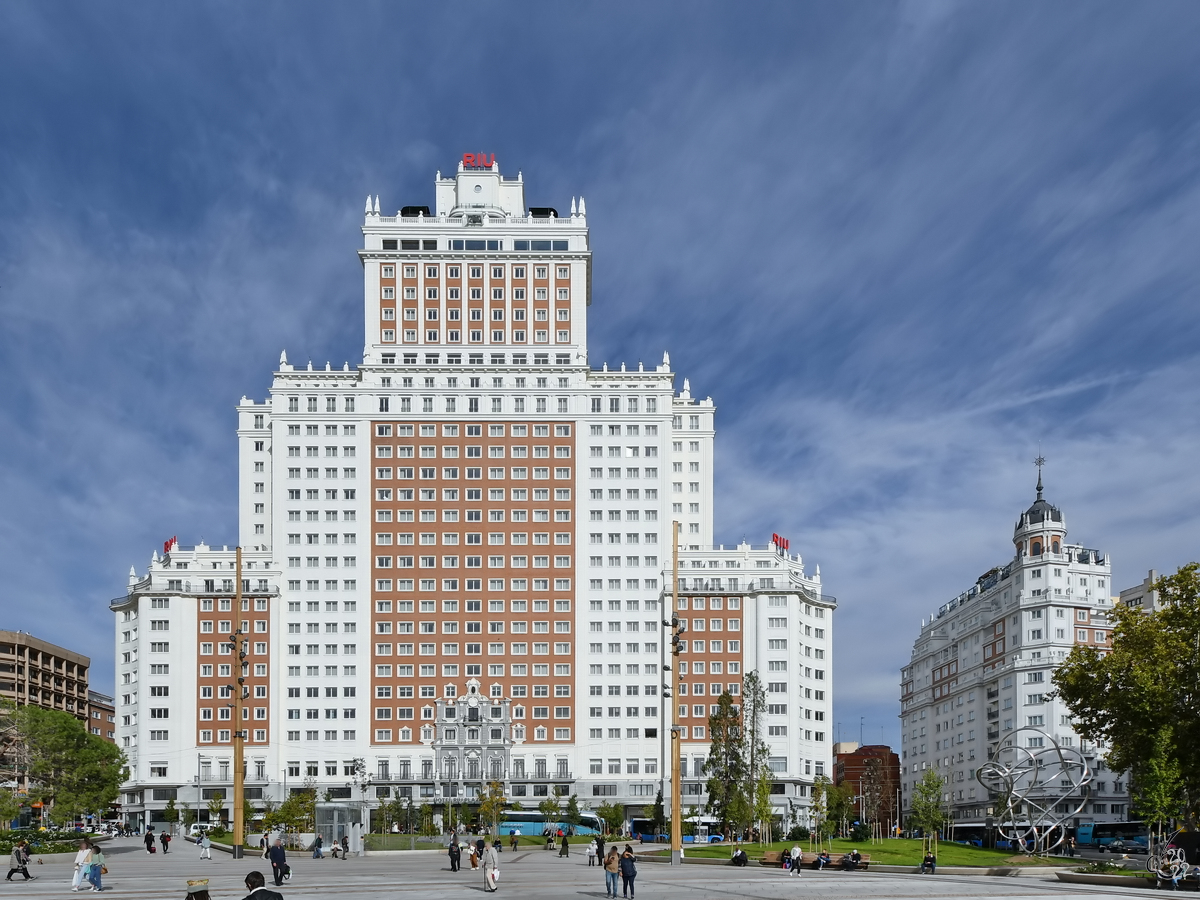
{"x":900,"y":245}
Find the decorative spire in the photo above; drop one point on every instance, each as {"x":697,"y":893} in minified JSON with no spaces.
{"x":367,"y":211}
{"x":283,"y":358}
{"x":376,"y":204}
{"x":572,"y":206}
{"x":1039,"y":462}
{"x":582,"y":207}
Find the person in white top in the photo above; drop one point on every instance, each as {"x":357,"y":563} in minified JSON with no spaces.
{"x":796,"y":860}
{"x":82,"y":864}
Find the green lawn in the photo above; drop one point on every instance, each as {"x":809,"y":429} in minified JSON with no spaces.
{"x":897,"y":851}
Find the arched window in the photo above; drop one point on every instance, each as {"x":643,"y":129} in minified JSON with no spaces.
{"x":1054,"y":547}
{"x":1035,"y":548}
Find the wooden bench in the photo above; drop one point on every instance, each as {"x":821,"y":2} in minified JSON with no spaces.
{"x":772,"y":858}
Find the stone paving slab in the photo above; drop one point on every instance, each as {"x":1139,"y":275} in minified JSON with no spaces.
{"x":525,"y":875}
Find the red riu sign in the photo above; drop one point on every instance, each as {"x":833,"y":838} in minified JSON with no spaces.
{"x":781,"y":542}
{"x":167,"y":544}
{"x":478,"y":160}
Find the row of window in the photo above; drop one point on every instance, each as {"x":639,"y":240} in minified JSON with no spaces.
{"x":452,"y":606}
{"x":450,"y":473}
{"x":631,"y":584}
{"x":471,"y":562}
{"x":562,"y":314}
{"x":454,"y":538}
{"x":540,"y":733}
{"x":473,"y":584}
{"x":472,"y":627}
{"x":384,"y":713}
{"x":316,"y":649}
{"x":475,"y":336}
{"x":597,"y":562}
{"x":476,"y":359}
{"x":454,"y":271}
{"x":562,"y":648}
{"x":314,"y":584}
{"x":614,"y":648}
{"x":451,"y":451}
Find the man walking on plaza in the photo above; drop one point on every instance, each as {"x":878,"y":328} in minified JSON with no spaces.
{"x":278,"y":862}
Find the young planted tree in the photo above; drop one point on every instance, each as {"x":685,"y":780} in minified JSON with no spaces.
{"x":1158,"y":785}
{"x":491,"y":806}
{"x":216,"y":806}
{"x":171,"y":815}
{"x":612,"y":815}
{"x":573,"y":815}
{"x":763,"y":811}
{"x":1140,"y":696}
{"x":549,"y":809}
{"x":726,"y":762}
{"x":926,"y":811}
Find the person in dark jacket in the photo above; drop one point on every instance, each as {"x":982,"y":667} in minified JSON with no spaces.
{"x":148,"y":840}
{"x":256,"y":884}
{"x":628,"y":872}
{"x":564,"y":848}
{"x":164,"y":839}
{"x":455,"y":854}
{"x":930,"y":863}
{"x":278,"y":861}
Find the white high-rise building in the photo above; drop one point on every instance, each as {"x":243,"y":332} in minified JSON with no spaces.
{"x":982,"y":667}
{"x":456,"y":548}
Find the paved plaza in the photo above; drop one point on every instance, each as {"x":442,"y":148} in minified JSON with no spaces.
{"x":527,"y":875}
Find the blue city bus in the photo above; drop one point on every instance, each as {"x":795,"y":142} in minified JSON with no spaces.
{"x":533,"y":824}
{"x":1099,"y":835}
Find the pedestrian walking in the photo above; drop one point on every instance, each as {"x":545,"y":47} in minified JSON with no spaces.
{"x":278,"y":862}
{"x":205,"y":846}
{"x":98,"y":869}
{"x":164,"y":839}
{"x":563,"y":847}
{"x":612,"y":869}
{"x":491,"y":868}
{"x":316,"y":848}
{"x":628,"y":872}
{"x":256,"y":884}
{"x":18,"y":861}
{"x":591,"y":853}
{"x":81,"y":865}
{"x":795,"y":860}
{"x":148,"y":840}
{"x":473,"y":856}
{"x":265,"y":846}
{"x":455,"y":854}
{"x":600,"y":848}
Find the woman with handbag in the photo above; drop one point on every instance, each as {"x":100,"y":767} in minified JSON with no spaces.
{"x":98,"y":868}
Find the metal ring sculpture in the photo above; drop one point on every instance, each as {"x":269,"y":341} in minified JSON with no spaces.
{"x":1032,"y":782}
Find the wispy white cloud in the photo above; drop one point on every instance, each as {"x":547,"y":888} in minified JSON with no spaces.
{"x":900,"y":245}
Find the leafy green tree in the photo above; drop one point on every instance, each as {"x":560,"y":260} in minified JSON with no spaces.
{"x":1140,"y":697}
{"x":75,"y":771}
{"x":189,"y":816}
{"x":763,"y":811}
{"x":726,"y":765}
{"x":1158,"y":785}
{"x":926,"y":810}
{"x":754,"y":748}
{"x":216,"y":806}
{"x":549,"y":809}
{"x":171,"y":814}
{"x":573,"y":815}
{"x":612,"y":815}
{"x":492,"y":805}
{"x":425,"y":819}
{"x":10,"y":808}
{"x":657,"y":813}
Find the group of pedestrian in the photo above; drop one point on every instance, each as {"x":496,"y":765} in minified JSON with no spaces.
{"x":89,"y":866}
{"x":18,"y":861}
{"x":623,"y":864}
{"x":163,"y":838}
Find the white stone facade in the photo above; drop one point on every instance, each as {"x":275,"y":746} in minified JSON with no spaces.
{"x":982,"y":666}
{"x":455,"y":517}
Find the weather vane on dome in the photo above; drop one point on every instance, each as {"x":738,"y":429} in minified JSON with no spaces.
{"x":1039,"y":462}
